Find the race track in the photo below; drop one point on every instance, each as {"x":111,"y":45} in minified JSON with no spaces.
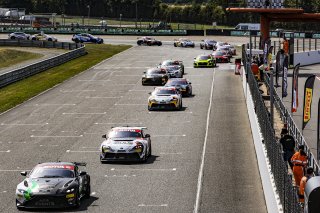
{"x":203,"y":157}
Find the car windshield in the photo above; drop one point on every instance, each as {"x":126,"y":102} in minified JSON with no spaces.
{"x":176,"y":82}
{"x":219,"y":53}
{"x":51,"y":172}
{"x":170,"y":63}
{"x":203,"y":57}
{"x":165,"y":92}
{"x":156,"y":71}
{"x":211,"y":42}
{"x":125,"y":133}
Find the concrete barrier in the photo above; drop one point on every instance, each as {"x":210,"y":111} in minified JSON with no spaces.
{"x":307,"y":58}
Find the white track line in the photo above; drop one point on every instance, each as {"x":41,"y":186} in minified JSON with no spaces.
{"x":56,"y":136}
{"x":200,"y":176}
{"x":173,"y":169}
{"x":84,"y":113}
{"x":6,"y":151}
{"x":168,"y":135}
{"x":81,"y":151}
{"x":3,"y":124}
{"x":161,"y":205}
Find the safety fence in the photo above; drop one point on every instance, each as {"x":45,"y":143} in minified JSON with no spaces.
{"x":283,"y":181}
{"x":76,"y":50}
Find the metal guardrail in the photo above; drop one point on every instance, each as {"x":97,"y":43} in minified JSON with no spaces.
{"x":292,"y":127}
{"x":283,"y":181}
{"x":77,"y":50}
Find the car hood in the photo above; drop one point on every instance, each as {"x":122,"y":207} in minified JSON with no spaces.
{"x":162,"y":97}
{"x":154,"y":75}
{"x":44,"y":185}
{"x":122,"y":143}
{"x":202,"y":60}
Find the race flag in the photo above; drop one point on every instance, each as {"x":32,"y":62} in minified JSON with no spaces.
{"x":278,"y":67}
{"x":295,"y":99}
{"x":285,"y":77}
{"x":307,"y":100}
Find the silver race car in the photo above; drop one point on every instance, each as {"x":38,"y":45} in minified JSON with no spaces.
{"x":165,"y":98}
{"x":126,"y":144}
{"x":177,"y":66}
{"x":53,"y":185}
{"x":182,"y":84}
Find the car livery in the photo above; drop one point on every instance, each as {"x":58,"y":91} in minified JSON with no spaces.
{"x":182,"y":84}
{"x":43,"y":37}
{"x":204,"y":61}
{"x":86,"y":37}
{"x":148,"y":41}
{"x":19,"y":35}
{"x":155,"y":76}
{"x":165,"y":98}
{"x":208,"y":44}
{"x":53,"y":185}
{"x":126,"y":144}
{"x":220,"y":57}
{"x":183,"y":42}
{"x":172,"y":63}
{"x":231,"y":48}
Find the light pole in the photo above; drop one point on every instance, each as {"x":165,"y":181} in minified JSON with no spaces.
{"x":88,"y":13}
{"x":120,"y":19}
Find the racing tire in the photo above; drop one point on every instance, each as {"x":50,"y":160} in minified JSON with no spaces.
{"x":33,"y":39}
{"x":139,"y":43}
{"x":201,"y":47}
{"x":77,"y":40}
{"x":49,"y":39}
{"x":205,"y":47}
{"x":150,"y":151}
{"x":88,"y":191}
{"x":160,"y":43}
{"x":78,"y":201}
{"x":19,"y":208}
{"x":12,"y":37}
{"x":149,"y":108}
{"x":174,"y":44}
{"x":180,"y":107}
{"x":149,"y":43}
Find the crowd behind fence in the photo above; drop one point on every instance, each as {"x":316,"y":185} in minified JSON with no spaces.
{"x":283,"y":181}
{"x":77,"y":50}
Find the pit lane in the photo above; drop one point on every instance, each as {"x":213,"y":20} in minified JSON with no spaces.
{"x":66,"y":124}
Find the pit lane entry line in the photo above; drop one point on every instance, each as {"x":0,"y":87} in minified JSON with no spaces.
{"x":200,"y":176}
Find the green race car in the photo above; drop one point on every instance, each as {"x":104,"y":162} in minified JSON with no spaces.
{"x":204,"y":61}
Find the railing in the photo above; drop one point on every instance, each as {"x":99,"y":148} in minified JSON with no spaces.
{"x":283,"y":181}
{"x":292,"y":127}
{"x":77,"y":50}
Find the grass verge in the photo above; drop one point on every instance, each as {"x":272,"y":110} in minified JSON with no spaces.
{"x":8,"y":57}
{"x":23,"y":90}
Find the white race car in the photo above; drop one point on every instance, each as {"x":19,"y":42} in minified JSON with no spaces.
{"x":126,"y":144}
{"x":43,"y":37}
{"x":165,"y":98}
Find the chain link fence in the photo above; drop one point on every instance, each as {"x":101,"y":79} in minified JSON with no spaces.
{"x":283,"y":181}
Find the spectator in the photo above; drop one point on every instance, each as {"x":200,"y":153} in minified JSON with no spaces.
{"x":288,"y":144}
{"x":303,"y":183}
{"x":267,"y":3}
{"x":285,"y":44}
{"x":299,"y":161}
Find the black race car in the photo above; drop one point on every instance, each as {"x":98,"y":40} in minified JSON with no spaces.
{"x":155,"y":76}
{"x":53,"y":185}
{"x":208,"y":44}
{"x":182,"y":84}
{"x":148,"y":41}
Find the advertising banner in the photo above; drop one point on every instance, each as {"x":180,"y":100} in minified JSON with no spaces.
{"x":285,"y":77}
{"x":295,"y":99}
{"x":308,"y":92}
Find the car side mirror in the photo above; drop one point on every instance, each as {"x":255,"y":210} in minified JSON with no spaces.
{"x":24,"y":173}
{"x":202,"y":40}
{"x":194,"y":58}
{"x":149,"y":93}
{"x":189,"y":82}
{"x":104,"y":136}
{"x":82,"y":173}
{"x":147,"y":136}
{"x":144,"y":72}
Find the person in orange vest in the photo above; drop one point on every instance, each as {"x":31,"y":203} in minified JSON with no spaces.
{"x":303,"y":183}
{"x":299,"y":161}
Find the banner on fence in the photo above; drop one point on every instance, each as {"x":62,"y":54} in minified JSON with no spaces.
{"x":308,"y":92}
{"x":278,"y":67}
{"x":295,"y":99}
{"x":285,"y":76}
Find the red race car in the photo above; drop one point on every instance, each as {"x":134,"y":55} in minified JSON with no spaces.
{"x":220,"y":57}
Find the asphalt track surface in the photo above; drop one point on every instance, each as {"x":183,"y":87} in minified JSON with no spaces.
{"x":203,"y":156}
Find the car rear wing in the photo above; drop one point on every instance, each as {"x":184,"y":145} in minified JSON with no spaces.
{"x":80,"y":163}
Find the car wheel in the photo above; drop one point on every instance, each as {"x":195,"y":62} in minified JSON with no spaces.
{"x":150,"y":151}
{"x":18,"y":207}
{"x":12,"y":37}
{"x":78,"y":201}
{"x":149,"y":108}
{"x":88,"y":191}
{"x":49,"y":39}
{"x":180,"y":107}
{"x":159,"y":44}
{"x":33,"y":39}
{"x":77,"y":40}
{"x":174,"y":44}
{"x":201,"y":47}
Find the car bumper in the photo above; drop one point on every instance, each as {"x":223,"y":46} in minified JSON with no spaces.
{"x":222,"y":60}
{"x":204,"y":64}
{"x":48,"y":201}
{"x":111,"y":156}
{"x":167,"y":105}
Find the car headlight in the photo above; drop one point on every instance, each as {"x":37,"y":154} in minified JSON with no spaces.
{"x":70,"y":190}
{"x":21,"y":191}
{"x":138,"y":147}
{"x":174,"y":99}
{"x":106,"y":149}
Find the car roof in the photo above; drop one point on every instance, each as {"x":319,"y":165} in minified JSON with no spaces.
{"x":129,"y":127}
{"x":177,"y":79}
{"x":56,"y":164}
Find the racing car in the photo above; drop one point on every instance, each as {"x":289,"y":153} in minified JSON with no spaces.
{"x":204,"y":61}
{"x":183,"y":42}
{"x":43,"y":37}
{"x":155,"y":76}
{"x":19,"y":35}
{"x":231,"y":48}
{"x":86,"y":37}
{"x":126,"y":144}
{"x":181,"y":84}
{"x":53,"y":185}
{"x":208,"y":44}
{"x":148,"y":41}
{"x":165,"y":98}
{"x":220,"y":57}
{"x":172,"y":63}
